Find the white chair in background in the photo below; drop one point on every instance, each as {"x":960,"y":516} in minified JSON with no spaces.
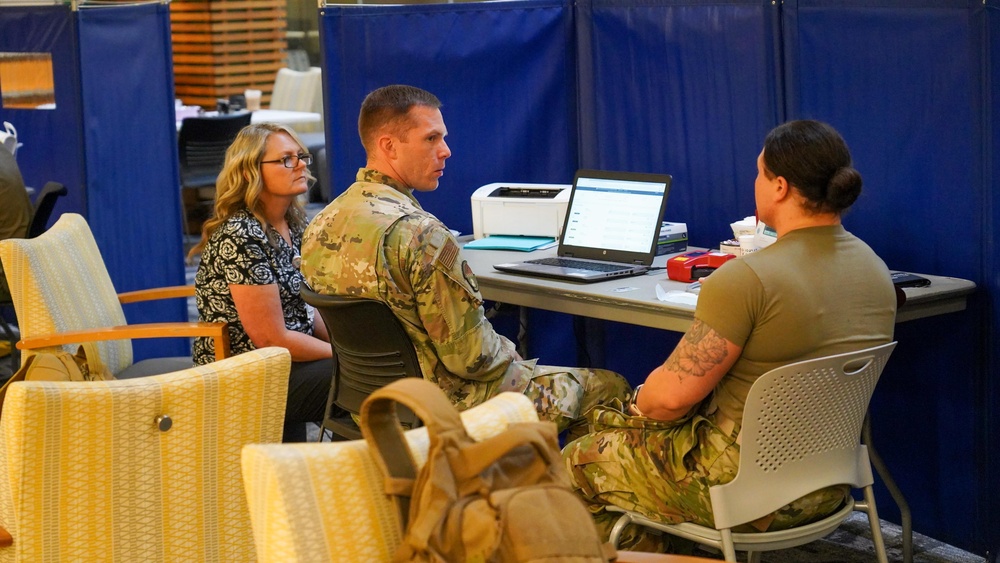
{"x":296,"y":90}
{"x":801,"y":433}
{"x":8,"y":138}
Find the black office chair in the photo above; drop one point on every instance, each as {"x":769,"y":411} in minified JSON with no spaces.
{"x":44,"y":204}
{"x":370,"y":350}
{"x":202,"y":144}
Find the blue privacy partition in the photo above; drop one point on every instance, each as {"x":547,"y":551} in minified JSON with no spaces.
{"x":53,"y":138}
{"x":902,"y":80}
{"x":111,"y":140}
{"x":504,"y":72}
{"x":683,"y":88}
{"x":989,"y":388}
{"x":130,"y":140}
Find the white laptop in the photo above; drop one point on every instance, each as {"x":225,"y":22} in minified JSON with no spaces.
{"x":611,"y":228}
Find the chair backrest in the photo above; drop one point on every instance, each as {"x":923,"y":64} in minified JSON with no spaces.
{"x":8,"y":138}
{"x":58,"y":283}
{"x":371,"y":348}
{"x":44,"y":204}
{"x":298,"y":90}
{"x":801,"y":432}
{"x":90,"y":471}
{"x":327,"y":502}
{"x":202,"y":144}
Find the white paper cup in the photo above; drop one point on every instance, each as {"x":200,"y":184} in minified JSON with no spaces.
{"x":253,"y":99}
{"x":747,"y":245}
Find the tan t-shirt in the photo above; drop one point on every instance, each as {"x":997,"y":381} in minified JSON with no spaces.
{"x":815,"y":292}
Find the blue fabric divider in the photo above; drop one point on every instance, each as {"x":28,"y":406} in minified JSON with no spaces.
{"x":111,"y":139}
{"x":988,"y":525}
{"x":989,"y":389}
{"x":911,"y":110}
{"x":683,"y":88}
{"x":53,"y":139}
{"x":504,"y":72}
{"x":130,"y":137}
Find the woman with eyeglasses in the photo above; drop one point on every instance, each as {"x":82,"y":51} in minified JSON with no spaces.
{"x":249,"y":272}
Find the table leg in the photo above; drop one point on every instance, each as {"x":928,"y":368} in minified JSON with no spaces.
{"x":897,"y":495}
{"x":522,"y":332}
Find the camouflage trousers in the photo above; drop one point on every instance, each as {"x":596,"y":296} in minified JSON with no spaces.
{"x":566,"y":395}
{"x":663,"y":470}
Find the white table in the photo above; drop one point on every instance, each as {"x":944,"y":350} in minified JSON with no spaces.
{"x":633,"y":300}
{"x":285,"y":117}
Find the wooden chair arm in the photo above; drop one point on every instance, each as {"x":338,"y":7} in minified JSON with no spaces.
{"x":218,"y":332}
{"x":156,"y":293}
{"x":6,"y":540}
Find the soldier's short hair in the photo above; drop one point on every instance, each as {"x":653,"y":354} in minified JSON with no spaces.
{"x":389,"y":106}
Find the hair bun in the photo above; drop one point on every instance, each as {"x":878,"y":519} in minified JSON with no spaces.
{"x":843,"y":188}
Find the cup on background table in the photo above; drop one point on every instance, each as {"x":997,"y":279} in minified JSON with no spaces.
{"x":253,"y":99}
{"x":747,"y":245}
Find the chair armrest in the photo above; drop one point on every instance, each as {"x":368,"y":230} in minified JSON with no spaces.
{"x":156,"y":293}
{"x":644,"y":557}
{"x":6,"y":540}
{"x":219,"y":332}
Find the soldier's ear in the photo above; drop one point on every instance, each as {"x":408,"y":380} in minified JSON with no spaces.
{"x":386,"y":145}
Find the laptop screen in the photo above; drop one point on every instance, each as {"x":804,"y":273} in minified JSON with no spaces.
{"x":615,"y":212}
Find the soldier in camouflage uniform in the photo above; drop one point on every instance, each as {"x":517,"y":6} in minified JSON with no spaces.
{"x":375,"y":241}
{"x":817,"y":291}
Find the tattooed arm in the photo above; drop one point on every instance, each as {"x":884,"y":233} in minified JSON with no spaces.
{"x":696,"y":365}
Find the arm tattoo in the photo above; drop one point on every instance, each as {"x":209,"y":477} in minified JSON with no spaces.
{"x":701,"y":350}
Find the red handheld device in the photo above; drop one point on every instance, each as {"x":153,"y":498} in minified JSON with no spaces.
{"x":695,"y":265}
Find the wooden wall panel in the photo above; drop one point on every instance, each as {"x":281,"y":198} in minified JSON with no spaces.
{"x":223,"y":47}
{"x":26,"y":79}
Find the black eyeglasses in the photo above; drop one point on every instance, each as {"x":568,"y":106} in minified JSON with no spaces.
{"x":292,"y":160}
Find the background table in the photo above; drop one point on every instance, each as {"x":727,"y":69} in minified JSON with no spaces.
{"x":633,"y":299}
{"x":285,"y":117}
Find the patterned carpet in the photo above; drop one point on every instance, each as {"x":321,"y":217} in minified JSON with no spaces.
{"x":852,"y":543}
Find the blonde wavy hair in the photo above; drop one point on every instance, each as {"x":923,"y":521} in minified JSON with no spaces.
{"x":240,"y":183}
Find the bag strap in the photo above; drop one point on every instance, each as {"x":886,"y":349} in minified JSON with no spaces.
{"x":96,"y":368}
{"x":476,"y":457}
{"x":18,"y":376}
{"x":381,"y":428}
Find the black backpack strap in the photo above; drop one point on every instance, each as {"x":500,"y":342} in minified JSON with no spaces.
{"x":381,"y":428}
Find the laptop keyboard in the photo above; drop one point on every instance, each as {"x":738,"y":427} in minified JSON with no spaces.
{"x":579,"y":264}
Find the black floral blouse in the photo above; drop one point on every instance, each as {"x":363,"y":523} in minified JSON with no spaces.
{"x":239,"y":252}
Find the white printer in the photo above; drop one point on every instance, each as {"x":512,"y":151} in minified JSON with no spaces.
{"x":505,"y":208}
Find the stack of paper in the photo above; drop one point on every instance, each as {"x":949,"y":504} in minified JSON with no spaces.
{"x":524,"y":244}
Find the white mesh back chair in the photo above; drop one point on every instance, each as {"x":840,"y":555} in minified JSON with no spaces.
{"x":801,"y":433}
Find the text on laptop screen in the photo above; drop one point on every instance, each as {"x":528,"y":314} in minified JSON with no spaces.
{"x":614,"y":214}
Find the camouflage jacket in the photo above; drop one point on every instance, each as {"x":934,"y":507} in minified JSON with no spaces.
{"x":375,"y":241}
